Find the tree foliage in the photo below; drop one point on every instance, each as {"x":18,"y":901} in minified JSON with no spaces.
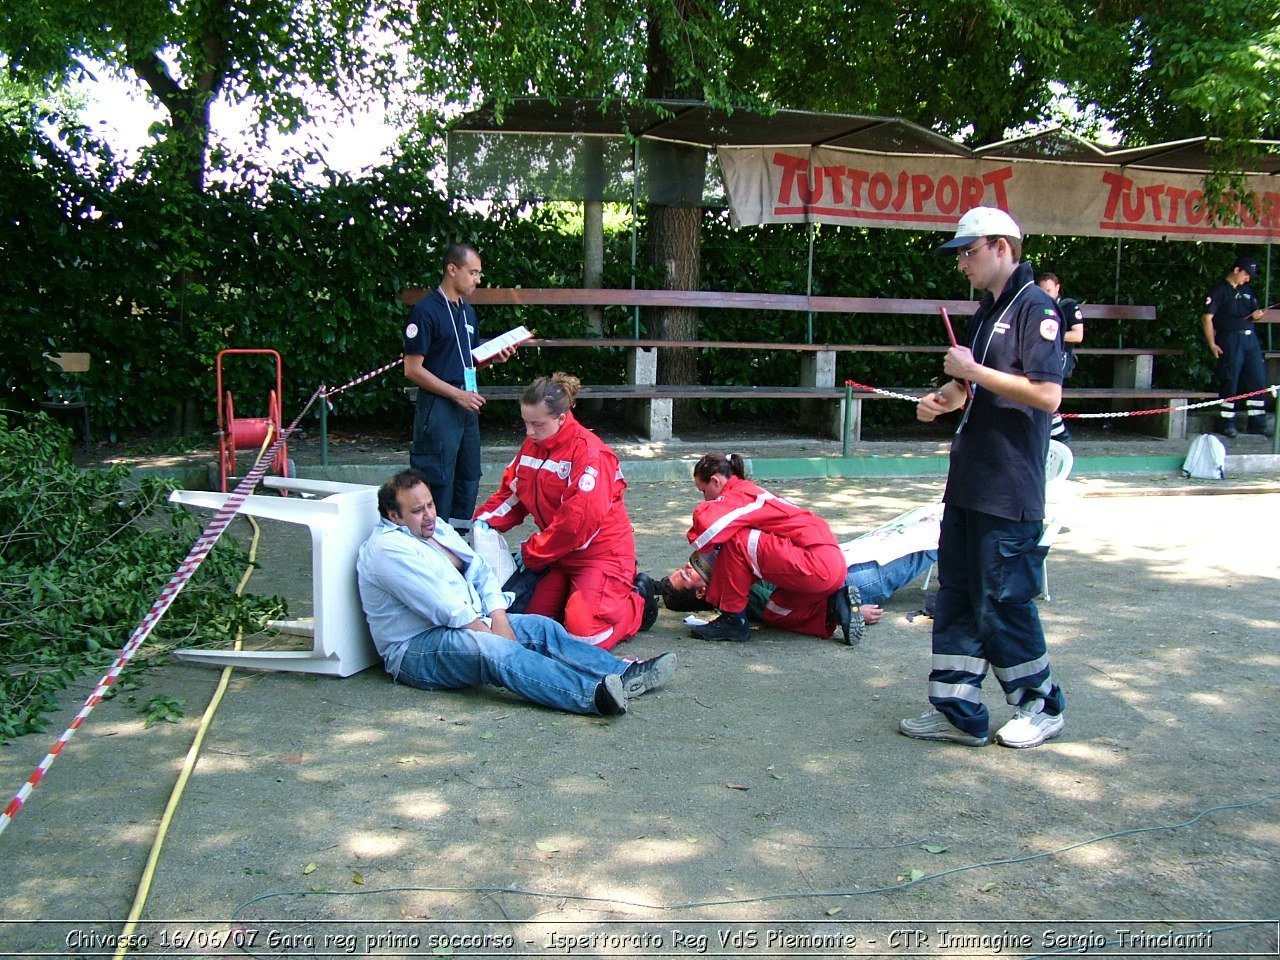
{"x":974,"y":69}
{"x":1170,"y":69}
{"x":278,"y":53}
{"x":154,"y":280}
{"x":83,"y":555}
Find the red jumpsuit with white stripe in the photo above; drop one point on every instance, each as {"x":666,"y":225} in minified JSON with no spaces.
{"x":764,"y":537}
{"x":572,"y":486}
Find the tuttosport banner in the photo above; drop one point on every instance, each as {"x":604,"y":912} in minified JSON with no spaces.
{"x":771,"y":185}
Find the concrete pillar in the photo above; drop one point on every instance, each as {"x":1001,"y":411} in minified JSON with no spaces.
{"x":1134,"y":372}
{"x":651,"y":417}
{"x":824,"y":417}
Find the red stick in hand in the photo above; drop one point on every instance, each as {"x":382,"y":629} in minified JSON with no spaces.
{"x":951,"y":335}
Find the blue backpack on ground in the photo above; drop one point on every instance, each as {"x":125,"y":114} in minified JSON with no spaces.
{"x":1206,"y":460}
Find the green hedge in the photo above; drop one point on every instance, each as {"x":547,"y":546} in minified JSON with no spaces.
{"x":154,"y":286}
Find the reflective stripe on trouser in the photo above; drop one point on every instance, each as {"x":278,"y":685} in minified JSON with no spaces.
{"x":989,"y":573}
{"x":446,"y":448}
{"x":876,"y":582}
{"x":804,"y":578}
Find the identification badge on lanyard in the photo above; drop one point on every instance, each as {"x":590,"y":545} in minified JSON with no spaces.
{"x":469,"y":379}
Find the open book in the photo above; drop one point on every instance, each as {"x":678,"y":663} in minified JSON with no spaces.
{"x":491,"y":348}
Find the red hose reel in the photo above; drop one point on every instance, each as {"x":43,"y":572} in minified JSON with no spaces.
{"x":249,"y":434}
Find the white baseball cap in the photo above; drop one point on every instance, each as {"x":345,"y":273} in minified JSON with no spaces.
{"x":981,"y":222}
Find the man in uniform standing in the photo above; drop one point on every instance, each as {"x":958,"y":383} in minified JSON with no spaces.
{"x":438,"y":340}
{"x":1072,"y":335}
{"x":990,"y":565}
{"x":1229,"y":312}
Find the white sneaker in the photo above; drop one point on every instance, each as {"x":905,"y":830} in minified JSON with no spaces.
{"x":1030,"y":727}
{"x":934,"y":725}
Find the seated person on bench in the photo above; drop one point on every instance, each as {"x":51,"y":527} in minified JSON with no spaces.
{"x":879,"y":564}
{"x":743,"y":534}
{"x":439,"y":619}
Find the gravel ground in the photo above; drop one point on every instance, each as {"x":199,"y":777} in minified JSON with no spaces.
{"x":764,"y":795}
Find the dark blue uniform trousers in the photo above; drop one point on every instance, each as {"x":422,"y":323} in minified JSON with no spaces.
{"x":1241,"y":369}
{"x":446,"y":448}
{"x":990,"y":571}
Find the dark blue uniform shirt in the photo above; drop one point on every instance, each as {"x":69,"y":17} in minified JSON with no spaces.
{"x":997,"y":457}
{"x":444,"y":333}
{"x":1231,"y":307}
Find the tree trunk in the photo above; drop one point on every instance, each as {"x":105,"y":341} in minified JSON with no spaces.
{"x":676,"y":174}
{"x":675,"y":235}
{"x":183,"y":162}
{"x":593,"y":228}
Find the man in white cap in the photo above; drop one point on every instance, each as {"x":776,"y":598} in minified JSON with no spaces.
{"x":1008,"y":377}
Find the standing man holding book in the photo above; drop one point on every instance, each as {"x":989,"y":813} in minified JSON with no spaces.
{"x":438,"y":339}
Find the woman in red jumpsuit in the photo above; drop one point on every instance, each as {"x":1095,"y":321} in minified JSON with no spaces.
{"x":569,"y":481}
{"x":750,"y":535}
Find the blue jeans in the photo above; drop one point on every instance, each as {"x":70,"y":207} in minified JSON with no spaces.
{"x":877,"y":582}
{"x":546,"y":664}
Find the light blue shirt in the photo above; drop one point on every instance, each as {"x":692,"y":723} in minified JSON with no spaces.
{"x":407,"y":586}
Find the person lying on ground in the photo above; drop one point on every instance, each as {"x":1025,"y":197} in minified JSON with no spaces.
{"x":439,"y":619}
{"x":569,"y":481}
{"x":879,"y":563}
{"x":743,"y":534}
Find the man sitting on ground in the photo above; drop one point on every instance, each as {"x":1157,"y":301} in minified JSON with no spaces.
{"x":439,"y":619}
{"x":880,"y":563}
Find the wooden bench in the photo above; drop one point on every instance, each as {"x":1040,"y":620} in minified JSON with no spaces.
{"x":836,"y":413}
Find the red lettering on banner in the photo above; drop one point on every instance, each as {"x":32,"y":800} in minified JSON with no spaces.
{"x":996,"y":180}
{"x":1246,"y":215}
{"x":1152,"y":195}
{"x":901,"y":200}
{"x":948,"y":194}
{"x":1196,"y":209}
{"x":970,"y":193}
{"x":921,"y":190}
{"x":881,"y":192}
{"x":1118,"y":185}
{"x":905,"y":195}
{"x":836,"y":176}
{"x":1129,"y":206}
{"x":809,"y":189}
{"x":917,"y":196}
{"x":791,"y":165}
{"x":856,"y":179}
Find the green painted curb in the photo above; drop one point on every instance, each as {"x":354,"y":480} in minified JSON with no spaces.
{"x":664,"y":471}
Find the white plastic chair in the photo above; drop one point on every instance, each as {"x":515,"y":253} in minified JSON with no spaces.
{"x":340,"y":517}
{"x":1057,"y":467}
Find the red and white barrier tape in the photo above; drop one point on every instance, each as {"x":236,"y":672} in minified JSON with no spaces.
{"x":1183,"y":406}
{"x":1273,"y":390}
{"x":199,"y":550}
{"x":358,"y":380}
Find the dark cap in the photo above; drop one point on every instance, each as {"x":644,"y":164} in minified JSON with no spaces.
{"x":1247,"y":264}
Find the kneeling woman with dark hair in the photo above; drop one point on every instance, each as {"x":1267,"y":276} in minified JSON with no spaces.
{"x":569,"y":481}
{"x":743,"y":534}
